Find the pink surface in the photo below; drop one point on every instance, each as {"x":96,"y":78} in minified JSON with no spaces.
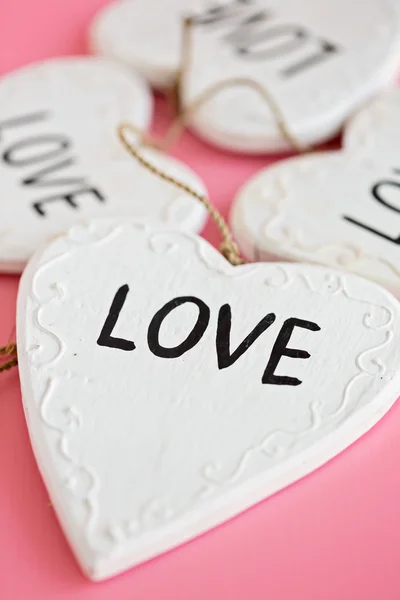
{"x":333,"y":535}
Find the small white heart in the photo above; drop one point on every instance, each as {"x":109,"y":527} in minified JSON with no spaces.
{"x":318,"y":60}
{"x":340,"y":209}
{"x":61,"y":161}
{"x":152,"y":413}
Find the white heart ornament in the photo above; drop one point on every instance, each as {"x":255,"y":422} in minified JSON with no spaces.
{"x":61,"y":161}
{"x":166,"y":391}
{"x":143,"y":36}
{"x":340,"y":209}
{"x":318,"y":60}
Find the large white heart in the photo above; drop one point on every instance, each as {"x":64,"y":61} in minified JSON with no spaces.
{"x":61,"y":161}
{"x":340,"y":209}
{"x":166,"y":391}
{"x":319,"y":60}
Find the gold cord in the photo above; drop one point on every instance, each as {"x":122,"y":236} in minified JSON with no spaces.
{"x":9,"y":351}
{"x":183,"y":114}
{"x":180,"y":121}
{"x":176,"y":91}
{"x":228,"y":247}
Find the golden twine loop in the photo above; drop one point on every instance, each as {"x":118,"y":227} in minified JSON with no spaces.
{"x":8,"y":351}
{"x":228,"y":247}
{"x":183,"y":114}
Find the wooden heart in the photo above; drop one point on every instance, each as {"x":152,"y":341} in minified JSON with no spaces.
{"x":166,"y":391}
{"x":340,"y":209}
{"x":61,"y":161}
{"x":319,"y":60}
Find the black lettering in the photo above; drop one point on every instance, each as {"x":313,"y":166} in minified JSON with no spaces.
{"x":58,"y":144}
{"x":23,"y":120}
{"x":251,"y":42}
{"x":293,"y":38}
{"x":105,"y":338}
{"x":40,"y":179}
{"x":280,"y":349}
{"x":244,"y":32}
{"x":192,"y":339}
{"x":224,"y":356}
{"x":244,"y":28}
{"x":68,"y":198}
{"x":372,"y":230}
{"x":326,"y":50}
{"x":376,"y":192}
{"x":42,"y":148}
{"x":221,"y":13}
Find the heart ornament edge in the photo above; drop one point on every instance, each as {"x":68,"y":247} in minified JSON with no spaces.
{"x":75,"y":488}
{"x":264,"y":215}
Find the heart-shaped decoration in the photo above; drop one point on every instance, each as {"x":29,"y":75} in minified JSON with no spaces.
{"x":142,"y":35}
{"x":61,"y":161}
{"x":340,"y":209}
{"x":319,"y":60}
{"x":166,"y":391}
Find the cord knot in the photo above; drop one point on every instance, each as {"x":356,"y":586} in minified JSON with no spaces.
{"x":230,"y":251}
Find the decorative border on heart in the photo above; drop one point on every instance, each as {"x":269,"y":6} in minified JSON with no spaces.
{"x":276,"y":444}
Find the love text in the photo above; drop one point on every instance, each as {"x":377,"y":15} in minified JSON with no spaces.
{"x":45,"y":161}
{"x":257,"y":34}
{"x":379,"y":192}
{"x":225,"y":355}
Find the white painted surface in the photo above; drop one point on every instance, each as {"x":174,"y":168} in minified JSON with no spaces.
{"x":299,"y":209}
{"x":319,"y":60}
{"x":144,"y":35}
{"x":139,"y":452}
{"x":59,"y":145}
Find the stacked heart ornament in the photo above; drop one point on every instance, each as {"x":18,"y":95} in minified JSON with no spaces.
{"x":166,"y":390}
{"x":318,"y":60}
{"x":340,"y":209}
{"x":62,"y":163}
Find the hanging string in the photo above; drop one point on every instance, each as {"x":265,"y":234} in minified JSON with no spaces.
{"x":175,"y":93}
{"x":228,"y":246}
{"x":183,"y":114}
{"x":180,"y":122}
{"x":8,"y":356}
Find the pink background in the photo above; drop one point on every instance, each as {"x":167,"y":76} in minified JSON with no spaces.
{"x":335,"y":534}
